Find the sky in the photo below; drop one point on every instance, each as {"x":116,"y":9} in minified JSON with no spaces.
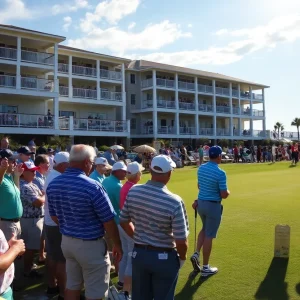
{"x":255,"y":40}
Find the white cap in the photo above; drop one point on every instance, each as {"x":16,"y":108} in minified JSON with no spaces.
{"x":61,"y":157}
{"x":103,"y":162}
{"x":119,"y":166}
{"x":134,"y":168}
{"x":164,"y":162}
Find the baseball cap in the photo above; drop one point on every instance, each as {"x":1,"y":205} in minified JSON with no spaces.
{"x":103,"y":162}
{"x":163,"y":162}
{"x":25,"y":150}
{"x":214,"y":151}
{"x":119,"y":166}
{"x":134,"y":168}
{"x":6,"y":153}
{"x":61,"y":157}
{"x":29,"y":166}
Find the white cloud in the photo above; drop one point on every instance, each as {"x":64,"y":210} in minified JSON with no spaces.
{"x":153,"y":37}
{"x":110,"y":10}
{"x":69,"y":7}
{"x":247,"y":41}
{"x":14,"y":10}
{"x":131,"y":25}
{"x":190,"y":25}
{"x":67,"y":23}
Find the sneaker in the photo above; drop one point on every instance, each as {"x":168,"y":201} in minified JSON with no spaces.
{"x":195,"y":262}
{"x":209,"y":271}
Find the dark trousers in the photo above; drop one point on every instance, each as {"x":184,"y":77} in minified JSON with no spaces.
{"x":153,"y":275}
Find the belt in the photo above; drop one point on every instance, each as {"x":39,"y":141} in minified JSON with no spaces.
{"x":39,"y":217}
{"x":90,"y":240}
{"x":149,"y":247}
{"x":10,"y":220}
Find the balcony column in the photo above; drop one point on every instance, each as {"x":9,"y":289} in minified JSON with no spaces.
{"x":196,"y":107}
{"x":123,"y":92}
{"x":71,"y":123}
{"x":70,"y":78}
{"x":231,"y":110}
{"x":177,"y":124}
{"x":214,"y":109}
{"x":251,"y":111}
{"x":56,"y":84}
{"x":19,"y":53}
{"x":154,"y":101}
{"x":56,"y":112}
{"x":264,"y":111}
{"x":239,"y":121}
{"x":98,"y":79}
{"x":176,"y":93}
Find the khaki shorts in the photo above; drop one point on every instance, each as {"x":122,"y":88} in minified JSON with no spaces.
{"x":87,"y":262}
{"x":32,"y":229}
{"x":10,"y":228}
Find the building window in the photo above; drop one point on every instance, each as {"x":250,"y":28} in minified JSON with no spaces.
{"x":133,"y":124}
{"x":63,"y":113}
{"x":132,"y":100}
{"x":132,"y":78}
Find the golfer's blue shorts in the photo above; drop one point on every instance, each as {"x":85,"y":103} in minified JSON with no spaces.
{"x":210,"y":213}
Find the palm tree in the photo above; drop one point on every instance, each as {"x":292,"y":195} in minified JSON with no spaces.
{"x":61,"y":141}
{"x":278,"y":127}
{"x":296,"y":122}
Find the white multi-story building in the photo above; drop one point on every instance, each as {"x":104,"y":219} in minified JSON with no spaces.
{"x":49,"y":89}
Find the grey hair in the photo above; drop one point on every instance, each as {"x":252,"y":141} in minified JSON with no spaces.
{"x":82,"y":152}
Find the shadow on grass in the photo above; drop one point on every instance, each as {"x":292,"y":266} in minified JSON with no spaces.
{"x":190,"y":288}
{"x":273,"y":286}
{"x":297,"y":287}
{"x":292,"y":166}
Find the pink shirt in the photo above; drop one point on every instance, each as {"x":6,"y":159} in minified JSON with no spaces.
{"x":124,"y":191}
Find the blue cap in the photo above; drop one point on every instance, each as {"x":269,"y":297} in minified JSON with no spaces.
{"x":214,"y":151}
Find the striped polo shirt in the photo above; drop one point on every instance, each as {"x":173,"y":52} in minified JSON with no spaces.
{"x":80,"y":204}
{"x":211,"y":181}
{"x":159,"y":217}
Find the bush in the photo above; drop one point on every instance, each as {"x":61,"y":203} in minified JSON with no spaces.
{"x":103,"y":148}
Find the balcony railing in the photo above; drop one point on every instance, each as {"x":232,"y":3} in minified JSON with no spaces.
{"x":64,"y":91}
{"x":257,"y":113}
{"x":257,"y":96}
{"x":84,"y":71}
{"x":186,"y":106}
{"x":245,"y":111}
{"x":43,"y":85}
{"x":111,"y":96}
{"x":147,"y":104}
{"x":259,"y":133}
{"x":202,"y":88}
{"x":245,"y":95}
{"x":100,"y":125}
{"x":25,"y":120}
{"x":205,"y":107}
{"x":170,"y":84}
{"x":166,"y":130}
{"x":64,"y":123}
{"x":236,"y":110}
{"x":186,"y":86}
{"x":166,"y":104}
{"x":235,"y":93}
{"x":84,"y":93}
{"x":223,"y":131}
{"x":63,"y":68}
{"x":7,"y":81}
{"x":223,"y":109}
{"x":8,"y":53}
{"x":146,"y":129}
{"x":289,"y":135}
{"x":222,"y":91}
{"x":110,"y":75}
{"x":37,"y":57}
{"x":187,"y":130}
{"x":147,"y":83}
{"x":206,"y":131}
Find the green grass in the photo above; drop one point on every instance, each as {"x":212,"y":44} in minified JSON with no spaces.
{"x":262,"y":195}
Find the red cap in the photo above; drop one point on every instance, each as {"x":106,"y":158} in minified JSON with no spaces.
{"x":29,"y":166}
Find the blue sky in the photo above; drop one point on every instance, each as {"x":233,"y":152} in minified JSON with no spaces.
{"x":257,"y":40}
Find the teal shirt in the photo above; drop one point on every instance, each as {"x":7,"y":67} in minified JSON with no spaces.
{"x":200,"y":152}
{"x":113,"y":187}
{"x":10,"y":201}
{"x":8,"y":294}
{"x":96,"y":176}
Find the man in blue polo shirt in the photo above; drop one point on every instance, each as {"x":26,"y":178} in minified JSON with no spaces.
{"x":212,"y":184}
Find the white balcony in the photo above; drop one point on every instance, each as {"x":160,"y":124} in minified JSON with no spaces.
{"x":205,"y":107}
{"x":259,"y":133}
{"x":42,"y":85}
{"x":236,"y":110}
{"x":186,"y":106}
{"x":99,"y":125}
{"x":206,"y":131}
{"x":223,"y":131}
{"x":25,"y":120}
{"x":84,"y":71}
{"x":202,"y":88}
{"x":111,"y":96}
{"x":245,"y":95}
{"x":147,"y":104}
{"x":166,"y":83}
{"x":7,"y":81}
{"x":166,"y":130}
{"x":187,"y":130}
{"x":257,"y":113}
{"x":8,"y":53}
{"x":64,"y":91}
{"x":147,"y":128}
{"x":186,"y":86}
{"x":147,"y":83}
{"x":166,"y":104}
{"x":222,"y":91}
{"x":110,"y":75}
{"x":235,"y":93}
{"x":223,"y":109}
{"x":63,"y":68}
{"x":258,"y":97}
{"x":64,"y":123}
{"x":246,"y":111}
{"x":84,"y":93}
{"x":37,"y":57}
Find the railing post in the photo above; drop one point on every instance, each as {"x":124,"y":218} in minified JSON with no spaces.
{"x":18,"y":77}
{"x":71,"y":123}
